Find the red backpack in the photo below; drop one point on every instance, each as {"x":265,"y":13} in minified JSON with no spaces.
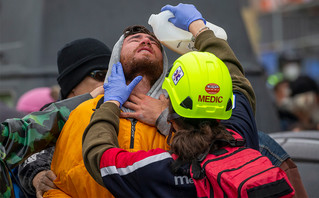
{"x":237,"y":171}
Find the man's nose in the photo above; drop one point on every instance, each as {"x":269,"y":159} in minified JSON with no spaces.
{"x":146,"y":41}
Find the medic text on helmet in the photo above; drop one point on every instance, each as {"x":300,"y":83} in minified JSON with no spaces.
{"x":211,"y":88}
{"x":177,"y":75}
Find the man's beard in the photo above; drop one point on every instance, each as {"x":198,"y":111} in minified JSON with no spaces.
{"x":150,"y":69}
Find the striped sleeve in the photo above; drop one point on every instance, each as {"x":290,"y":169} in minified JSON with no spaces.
{"x":122,"y":162}
{"x":126,"y":174}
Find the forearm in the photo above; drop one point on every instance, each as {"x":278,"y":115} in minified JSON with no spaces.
{"x":20,"y":138}
{"x":100,"y":135}
{"x":207,"y":41}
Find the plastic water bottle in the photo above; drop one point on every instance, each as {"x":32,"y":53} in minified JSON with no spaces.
{"x":174,"y":38}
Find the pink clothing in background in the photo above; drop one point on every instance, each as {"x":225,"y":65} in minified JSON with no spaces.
{"x":34,"y":99}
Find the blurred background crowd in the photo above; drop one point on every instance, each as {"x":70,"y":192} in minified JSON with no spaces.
{"x":288,"y":53}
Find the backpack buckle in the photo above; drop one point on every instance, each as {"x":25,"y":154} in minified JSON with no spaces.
{"x":237,"y":142}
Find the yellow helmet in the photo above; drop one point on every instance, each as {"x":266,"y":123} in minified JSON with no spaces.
{"x":199,"y":86}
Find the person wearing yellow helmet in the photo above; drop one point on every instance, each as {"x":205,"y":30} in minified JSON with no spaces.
{"x":200,"y":90}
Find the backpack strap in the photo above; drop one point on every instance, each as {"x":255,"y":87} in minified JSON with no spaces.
{"x":233,"y":143}
{"x":238,"y":140}
{"x":197,"y":170}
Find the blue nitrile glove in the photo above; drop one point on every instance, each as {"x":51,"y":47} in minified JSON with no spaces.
{"x":184,"y":14}
{"x":116,"y":88}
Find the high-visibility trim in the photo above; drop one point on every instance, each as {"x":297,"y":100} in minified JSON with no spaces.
{"x":129,"y":169}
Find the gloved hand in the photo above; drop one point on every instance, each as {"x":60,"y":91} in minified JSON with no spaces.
{"x":116,"y":88}
{"x":185,"y":14}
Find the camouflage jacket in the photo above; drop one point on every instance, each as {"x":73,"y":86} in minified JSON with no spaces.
{"x":20,"y":138}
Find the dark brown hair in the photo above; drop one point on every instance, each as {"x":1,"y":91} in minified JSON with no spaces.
{"x":195,"y":136}
{"x":194,"y":140}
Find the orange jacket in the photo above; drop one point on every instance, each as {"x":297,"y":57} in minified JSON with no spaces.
{"x":73,"y":180}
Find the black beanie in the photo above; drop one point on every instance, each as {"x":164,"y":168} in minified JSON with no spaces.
{"x":303,"y":84}
{"x":77,"y":58}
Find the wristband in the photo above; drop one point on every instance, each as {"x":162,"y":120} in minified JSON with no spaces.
{"x":199,"y":31}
